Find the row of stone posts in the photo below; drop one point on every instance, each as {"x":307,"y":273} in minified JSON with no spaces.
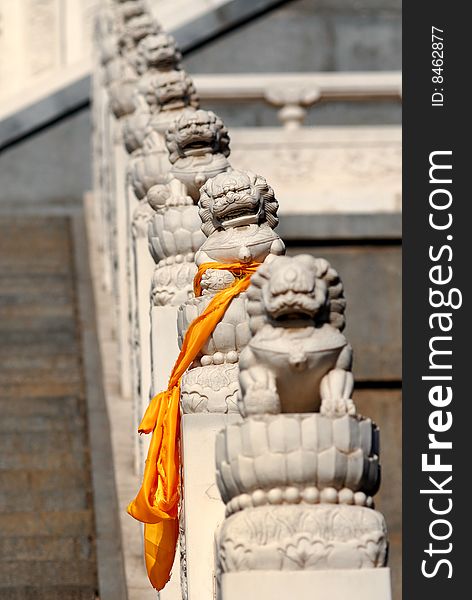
{"x":288,"y":510}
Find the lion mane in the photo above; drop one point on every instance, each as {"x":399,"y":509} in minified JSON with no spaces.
{"x":215,"y":186}
{"x":194,"y":124}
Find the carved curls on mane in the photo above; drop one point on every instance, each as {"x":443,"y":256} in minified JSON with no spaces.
{"x":266,"y":193}
{"x":214,"y":121}
{"x":333,"y":312}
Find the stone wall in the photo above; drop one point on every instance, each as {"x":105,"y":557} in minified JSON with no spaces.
{"x":310,"y":35}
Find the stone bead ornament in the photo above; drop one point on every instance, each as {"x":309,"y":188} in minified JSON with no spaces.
{"x":299,"y":473}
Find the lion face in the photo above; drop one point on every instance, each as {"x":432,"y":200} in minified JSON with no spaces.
{"x":234,"y":199}
{"x":293,"y":292}
{"x":197,"y":133}
{"x":170,"y":90}
{"x":159,"y":52}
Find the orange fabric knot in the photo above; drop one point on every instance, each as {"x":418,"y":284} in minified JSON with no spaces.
{"x":238,"y":269}
{"x":157,"y":501}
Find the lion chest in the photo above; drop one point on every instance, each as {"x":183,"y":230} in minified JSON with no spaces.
{"x":240,"y":243}
{"x":299,"y":362}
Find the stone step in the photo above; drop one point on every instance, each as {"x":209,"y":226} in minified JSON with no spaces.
{"x":41,"y":413}
{"x":42,"y":482}
{"x":44,"y":491}
{"x":61,"y":524}
{"x":36,"y":347}
{"x":49,"y":573}
{"x":20,"y":376}
{"x":26,"y":288}
{"x":62,"y":407}
{"x":42,"y":450}
{"x":46,"y":548}
{"x":36,"y":325}
{"x":40,"y":388}
{"x":53,"y":339}
{"x":48,"y":450}
{"x":49,"y":593}
{"x":50,"y":362}
{"x":25,"y":314}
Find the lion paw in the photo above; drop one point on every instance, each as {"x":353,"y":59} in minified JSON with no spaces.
{"x":337,"y":408}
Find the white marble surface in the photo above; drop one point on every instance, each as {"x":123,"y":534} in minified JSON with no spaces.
{"x":362,"y":584}
{"x":204,"y":509}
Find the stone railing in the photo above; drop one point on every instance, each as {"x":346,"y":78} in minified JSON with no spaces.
{"x":294,"y":93}
{"x":264,"y":371}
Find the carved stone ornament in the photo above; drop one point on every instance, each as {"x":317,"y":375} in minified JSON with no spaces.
{"x":302,"y":537}
{"x":122,"y":72}
{"x":297,"y":360}
{"x":238,"y":211}
{"x":144,"y":130}
{"x":157,"y":52}
{"x":174,"y":237}
{"x":299,"y":473}
{"x":198,"y":145}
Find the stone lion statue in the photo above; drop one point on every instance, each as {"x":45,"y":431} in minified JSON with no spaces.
{"x":166,"y":91}
{"x":198,"y":146}
{"x":158,"y":52}
{"x":298,"y":360}
{"x":238,"y":210}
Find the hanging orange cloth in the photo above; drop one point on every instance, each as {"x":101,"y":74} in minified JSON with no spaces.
{"x":157,"y":501}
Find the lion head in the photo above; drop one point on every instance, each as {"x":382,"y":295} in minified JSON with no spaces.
{"x":158,"y":52}
{"x":236,"y":198}
{"x":296,"y":288}
{"x":197,"y":133}
{"x":168,"y":90}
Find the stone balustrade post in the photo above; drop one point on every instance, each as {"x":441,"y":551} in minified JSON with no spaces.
{"x":299,"y":472}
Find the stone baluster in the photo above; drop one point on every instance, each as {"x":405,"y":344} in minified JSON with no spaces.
{"x":198,"y":146}
{"x":238,"y":212}
{"x":298,"y":473}
{"x":293,"y":102}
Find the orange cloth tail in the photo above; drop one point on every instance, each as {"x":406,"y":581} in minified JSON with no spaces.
{"x":157,"y":501}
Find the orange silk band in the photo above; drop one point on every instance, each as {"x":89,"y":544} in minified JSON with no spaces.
{"x":157,"y":501}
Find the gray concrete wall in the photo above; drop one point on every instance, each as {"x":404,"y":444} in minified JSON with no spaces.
{"x":50,"y":166}
{"x":302,"y":35}
{"x":310,"y":35}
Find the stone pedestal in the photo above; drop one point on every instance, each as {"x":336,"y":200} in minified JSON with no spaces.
{"x":359,"y":584}
{"x":204,"y":509}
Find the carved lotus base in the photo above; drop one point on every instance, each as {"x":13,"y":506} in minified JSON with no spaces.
{"x":293,"y":458}
{"x":291,"y":538}
{"x":210,"y":389}
{"x":172,"y":284}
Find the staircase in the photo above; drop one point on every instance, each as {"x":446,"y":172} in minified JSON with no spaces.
{"x":47,"y":538}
